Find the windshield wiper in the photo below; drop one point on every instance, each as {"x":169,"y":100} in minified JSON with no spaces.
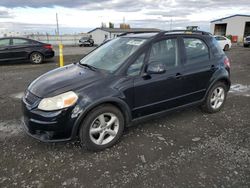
{"x":89,"y":66}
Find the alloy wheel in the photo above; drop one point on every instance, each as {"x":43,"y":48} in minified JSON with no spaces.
{"x":104,"y":128}
{"x":217,"y":98}
{"x":36,"y":58}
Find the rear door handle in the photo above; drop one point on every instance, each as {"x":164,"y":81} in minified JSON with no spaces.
{"x":212,"y":67}
{"x":178,"y":76}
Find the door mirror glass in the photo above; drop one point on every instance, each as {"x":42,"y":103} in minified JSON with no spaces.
{"x":156,"y":67}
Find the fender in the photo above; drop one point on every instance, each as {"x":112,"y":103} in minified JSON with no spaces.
{"x":224,"y":76}
{"x":119,"y":102}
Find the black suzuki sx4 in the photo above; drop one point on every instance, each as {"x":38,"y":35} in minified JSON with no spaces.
{"x":129,"y":78}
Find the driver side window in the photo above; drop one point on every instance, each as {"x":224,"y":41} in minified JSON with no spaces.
{"x":135,"y":68}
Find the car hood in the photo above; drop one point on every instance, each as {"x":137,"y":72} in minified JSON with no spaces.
{"x":60,"y":80}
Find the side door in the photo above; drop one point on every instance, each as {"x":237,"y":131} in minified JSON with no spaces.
{"x":5,"y":49}
{"x":197,"y":68}
{"x":20,"y":48}
{"x":158,"y":92}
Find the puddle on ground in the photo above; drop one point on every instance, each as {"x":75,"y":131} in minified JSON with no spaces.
{"x":9,"y":128}
{"x":17,"y":95}
{"x":239,"y":89}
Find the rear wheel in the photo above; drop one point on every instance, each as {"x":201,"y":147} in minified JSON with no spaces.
{"x":216,"y":98}
{"x":101,"y":128}
{"x":226,"y":48}
{"x":36,"y":58}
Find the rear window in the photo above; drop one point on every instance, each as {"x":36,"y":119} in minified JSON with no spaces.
{"x":219,"y":38}
{"x":196,"y":50}
{"x":21,"y":42}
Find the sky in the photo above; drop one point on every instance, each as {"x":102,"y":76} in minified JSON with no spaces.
{"x":78,"y":16}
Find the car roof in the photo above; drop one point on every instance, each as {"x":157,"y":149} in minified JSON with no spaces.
{"x":147,"y":35}
{"x":14,"y":38}
{"x":22,"y":38}
{"x":141,"y":35}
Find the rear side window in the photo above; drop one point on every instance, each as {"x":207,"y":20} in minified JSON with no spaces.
{"x":165,"y":52}
{"x":196,"y":51}
{"x":4,"y":42}
{"x":20,"y":42}
{"x":216,"y":49}
{"x":220,"y":38}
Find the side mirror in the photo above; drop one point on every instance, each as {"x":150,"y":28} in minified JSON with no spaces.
{"x":156,"y":67}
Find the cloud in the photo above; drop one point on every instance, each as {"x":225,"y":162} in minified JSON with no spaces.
{"x":125,"y":5}
{"x":29,"y":28}
{"x":5,"y":14}
{"x":169,"y":24}
{"x":138,"y":13}
{"x":47,"y":3}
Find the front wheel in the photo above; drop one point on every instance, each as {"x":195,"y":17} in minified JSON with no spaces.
{"x":36,"y":58}
{"x":102,"y":128}
{"x":216,"y":98}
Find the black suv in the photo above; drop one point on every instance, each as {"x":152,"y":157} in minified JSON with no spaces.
{"x":124,"y":80}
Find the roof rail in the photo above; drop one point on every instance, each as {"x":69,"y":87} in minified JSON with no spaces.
{"x":138,"y":32}
{"x":185,"y":31}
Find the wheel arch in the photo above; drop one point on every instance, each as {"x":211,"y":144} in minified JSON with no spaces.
{"x":36,"y":52}
{"x":223,"y":79}
{"x":118,"y":103}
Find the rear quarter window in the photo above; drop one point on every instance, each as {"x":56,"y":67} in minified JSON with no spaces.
{"x":215,"y":48}
{"x":196,"y":50}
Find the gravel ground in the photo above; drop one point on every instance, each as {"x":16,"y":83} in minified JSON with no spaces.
{"x":187,"y":148}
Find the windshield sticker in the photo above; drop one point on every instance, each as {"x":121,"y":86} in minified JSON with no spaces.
{"x":135,"y":42}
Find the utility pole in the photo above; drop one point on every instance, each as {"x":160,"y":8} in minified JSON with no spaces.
{"x":171,"y":22}
{"x":61,"y":62}
{"x":57,"y":26}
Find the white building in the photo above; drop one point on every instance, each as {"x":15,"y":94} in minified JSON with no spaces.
{"x":100,"y":34}
{"x":235,"y":25}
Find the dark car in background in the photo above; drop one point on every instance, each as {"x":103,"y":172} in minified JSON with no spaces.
{"x":247,"y":41}
{"x":86,"y":41}
{"x":129,"y":78}
{"x":17,"y":48}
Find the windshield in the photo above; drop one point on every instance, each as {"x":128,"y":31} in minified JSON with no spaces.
{"x":111,"y":55}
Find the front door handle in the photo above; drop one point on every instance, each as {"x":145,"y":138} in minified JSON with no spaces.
{"x":178,"y":76}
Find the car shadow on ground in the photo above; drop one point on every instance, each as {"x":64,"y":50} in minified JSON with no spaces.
{"x":129,"y":132}
{"x":25,"y":62}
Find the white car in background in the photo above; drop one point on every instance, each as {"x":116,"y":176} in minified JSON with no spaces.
{"x":224,"y":42}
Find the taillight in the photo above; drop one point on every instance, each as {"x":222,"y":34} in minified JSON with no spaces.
{"x":227,"y":62}
{"x":48,"y":46}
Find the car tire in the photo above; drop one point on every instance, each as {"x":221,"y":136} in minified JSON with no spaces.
{"x":36,"y":58}
{"x":245,"y":45}
{"x":215,"y":98}
{"x":101,"y":128}
{"x":226,"y":47}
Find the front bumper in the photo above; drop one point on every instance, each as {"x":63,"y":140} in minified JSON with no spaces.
{"x":53,"y":126}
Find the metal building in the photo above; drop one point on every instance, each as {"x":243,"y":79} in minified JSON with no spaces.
{"x":101,"y":34}
{"x":236,"y":25}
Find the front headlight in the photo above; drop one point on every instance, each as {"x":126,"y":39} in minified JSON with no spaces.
{"x":58,"y":102}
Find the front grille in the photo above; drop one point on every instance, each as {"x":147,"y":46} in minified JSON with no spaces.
{"x":30,"y":98}
{"x":247,"y":39}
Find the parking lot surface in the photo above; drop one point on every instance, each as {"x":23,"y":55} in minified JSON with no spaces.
{"x":187,"y":148}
